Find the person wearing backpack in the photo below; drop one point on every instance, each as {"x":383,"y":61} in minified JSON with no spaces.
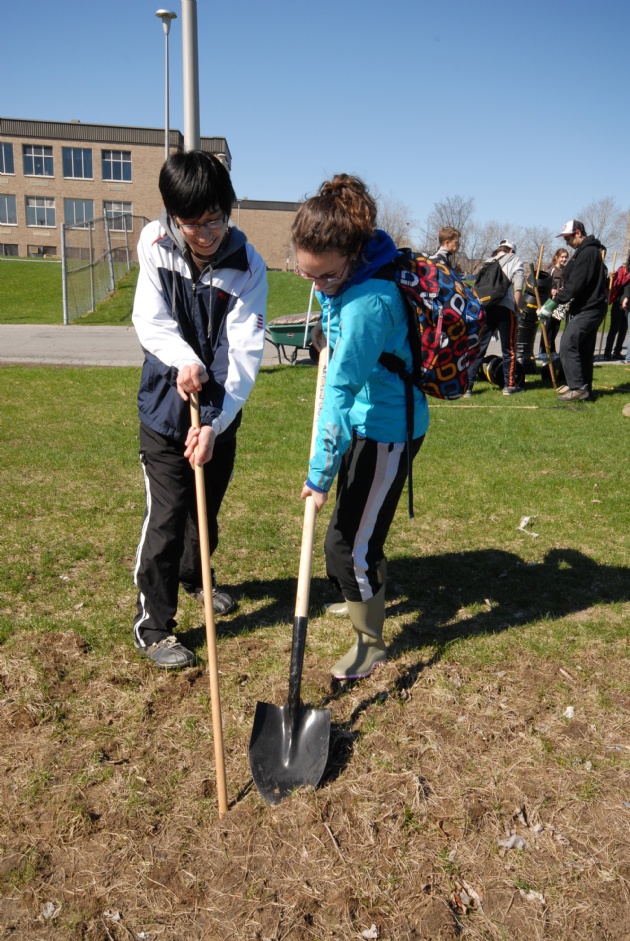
{"x":449,"y":240}
{"x":585,"y":284}
{"x":362,"y":432}
{"x":499,"y":287}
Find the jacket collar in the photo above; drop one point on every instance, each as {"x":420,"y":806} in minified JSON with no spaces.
{"x":377,"y":252}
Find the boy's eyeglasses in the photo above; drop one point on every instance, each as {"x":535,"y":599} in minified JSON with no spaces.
{"x":213,"y":225}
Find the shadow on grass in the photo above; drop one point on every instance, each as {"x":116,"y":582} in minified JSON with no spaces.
{"x":275,"y":604}
{"x":510,"y":593}
{"x":496,"y":589}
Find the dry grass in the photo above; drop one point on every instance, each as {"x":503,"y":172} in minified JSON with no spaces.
{"x":110,"y":806}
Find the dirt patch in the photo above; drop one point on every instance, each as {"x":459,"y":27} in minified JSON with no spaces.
{"x":456,"y":803}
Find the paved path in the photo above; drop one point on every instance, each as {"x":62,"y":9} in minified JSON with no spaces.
{"x":58,"y":345}
{"x":74,"y":345}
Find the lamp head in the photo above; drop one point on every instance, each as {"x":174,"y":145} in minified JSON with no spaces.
{"x":166,"y":16}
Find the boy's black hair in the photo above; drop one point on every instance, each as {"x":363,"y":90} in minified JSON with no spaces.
{"x":193,"y":182}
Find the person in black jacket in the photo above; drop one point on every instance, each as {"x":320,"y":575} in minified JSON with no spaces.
{"x":585,"y":284}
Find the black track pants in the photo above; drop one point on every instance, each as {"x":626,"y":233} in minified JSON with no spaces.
{"x":168,"y":552}
{"x":617,"y":332}
{"x":505,"y":321}
{"x":370,"y":482}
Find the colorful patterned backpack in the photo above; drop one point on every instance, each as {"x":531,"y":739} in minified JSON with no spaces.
{"x":445,"y":321}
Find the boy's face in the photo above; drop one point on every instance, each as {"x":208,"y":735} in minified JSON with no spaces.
{"x":205,"y":234}
{"x":452,"y":245}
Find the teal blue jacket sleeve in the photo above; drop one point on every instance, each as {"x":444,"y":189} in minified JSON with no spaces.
{"x":364,"y":324}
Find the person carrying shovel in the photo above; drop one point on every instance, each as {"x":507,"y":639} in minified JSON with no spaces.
{"x":361,"y":435}
{"x":199,"y":312}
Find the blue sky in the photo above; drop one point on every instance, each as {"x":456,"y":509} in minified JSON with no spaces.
{"x":520,"y":105}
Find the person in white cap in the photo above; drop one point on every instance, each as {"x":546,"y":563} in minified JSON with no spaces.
{"x":585,"y":284}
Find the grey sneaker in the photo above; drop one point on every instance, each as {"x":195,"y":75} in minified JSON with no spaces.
{"x":222,"y":601}
{"x":168,"y":653}
{"x":575,"y":395}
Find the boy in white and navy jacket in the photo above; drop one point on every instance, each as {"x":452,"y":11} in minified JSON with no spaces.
{"x":199,"y":313}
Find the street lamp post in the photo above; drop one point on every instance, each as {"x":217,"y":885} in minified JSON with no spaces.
{"x":166,"y":16}
{"x":190,"y":64}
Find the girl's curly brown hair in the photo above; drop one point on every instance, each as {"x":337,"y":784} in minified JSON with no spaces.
{"x":342,"y":217}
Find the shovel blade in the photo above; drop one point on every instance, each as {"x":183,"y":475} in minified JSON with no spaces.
{"x":288,"y":750}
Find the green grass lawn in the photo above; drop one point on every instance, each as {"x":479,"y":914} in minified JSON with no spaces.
{"x":30,"y":292}
{"x":486,"y":463}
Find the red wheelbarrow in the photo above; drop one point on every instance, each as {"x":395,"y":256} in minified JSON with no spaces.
{"x":292,"y":331}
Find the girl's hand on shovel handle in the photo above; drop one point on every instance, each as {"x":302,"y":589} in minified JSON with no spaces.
{"x":318,"y":498}
{"x":199,"y":445}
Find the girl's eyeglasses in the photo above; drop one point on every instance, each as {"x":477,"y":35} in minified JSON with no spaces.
{"x":325,"y":279}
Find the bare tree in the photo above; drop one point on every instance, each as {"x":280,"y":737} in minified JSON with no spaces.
{"x":626,"y":241}
{"x":531,"y":240}
{"x":606,"y":221}
{"x":456,"y":211}
{"x":481,"y":240}
{"x":397,"y":220}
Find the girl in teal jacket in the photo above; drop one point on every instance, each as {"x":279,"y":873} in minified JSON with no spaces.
{"x":361,"y":436}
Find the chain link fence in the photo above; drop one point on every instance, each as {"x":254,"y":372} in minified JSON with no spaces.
{"x":94,"y":256}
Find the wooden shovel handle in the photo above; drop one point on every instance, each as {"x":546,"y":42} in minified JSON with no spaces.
{"x":310,"y":511}
{"x":543,"y":328}
{"x":211,"y":641}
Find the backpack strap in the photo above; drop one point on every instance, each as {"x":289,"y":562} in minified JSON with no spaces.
{"x":396,"y":364}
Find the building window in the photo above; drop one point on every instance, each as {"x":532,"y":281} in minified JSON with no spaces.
{"x":6,"y":158}
{"x":77,"y":211}
{"x":77,"y":163}
{"x":38,"y":161}
{"x":9,"y":249}
{"x":41,"y":251}
{"x":117,"y":165}
{"x":8,"y":211}
{"x":40,"y":210}
{"x":119,"y":216}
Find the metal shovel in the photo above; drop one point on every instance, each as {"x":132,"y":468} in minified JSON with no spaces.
{"x":289,"y":744}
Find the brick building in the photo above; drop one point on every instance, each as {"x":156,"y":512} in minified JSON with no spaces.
{"x":53,"y":172}
{"x":267,"y":225}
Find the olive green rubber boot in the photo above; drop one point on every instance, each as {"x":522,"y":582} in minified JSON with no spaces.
{"x":369,"y":649}
{"x":340,"y":608}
